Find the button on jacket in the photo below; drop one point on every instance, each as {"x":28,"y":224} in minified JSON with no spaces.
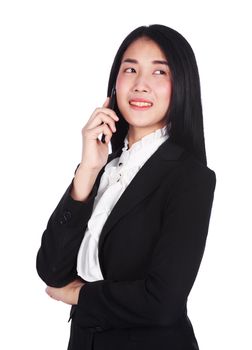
{"x":150,"y":249}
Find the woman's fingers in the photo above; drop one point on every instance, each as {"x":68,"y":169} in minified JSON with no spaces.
{"x":67,"y":294}
{"x":102,"y":115}
{"x":95,"y":153}
{"x":101,"y":129}
{"x":110,"y":112}
{"x":100,"y":118}
{"x":105,"y":110}
{"x":53,"y":292}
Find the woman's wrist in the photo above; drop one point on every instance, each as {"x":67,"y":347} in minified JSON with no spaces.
{"x":83,"y":183}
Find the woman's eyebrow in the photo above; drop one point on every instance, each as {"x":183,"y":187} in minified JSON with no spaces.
{"x":131,"y":60}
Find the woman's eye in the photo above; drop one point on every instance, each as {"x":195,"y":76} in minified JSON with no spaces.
{"x":157,"y":72}
{"x":127,"y":70}
{"x":161,"y":72}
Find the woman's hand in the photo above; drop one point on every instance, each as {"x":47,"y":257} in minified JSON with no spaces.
{"x":68,"y":294}
{"x":94,"y":152}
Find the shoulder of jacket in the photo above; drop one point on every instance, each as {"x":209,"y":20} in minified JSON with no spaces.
{"x":194,"y":171}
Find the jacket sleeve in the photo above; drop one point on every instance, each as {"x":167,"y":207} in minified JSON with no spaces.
{"x":57,"y":255}
{"x":159,"y":299}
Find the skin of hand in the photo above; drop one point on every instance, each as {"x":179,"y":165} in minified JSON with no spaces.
{"x":68,"y":294}
{"x":94,"y":152}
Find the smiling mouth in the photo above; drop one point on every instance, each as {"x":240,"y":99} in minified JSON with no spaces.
{"x":140,"y":104}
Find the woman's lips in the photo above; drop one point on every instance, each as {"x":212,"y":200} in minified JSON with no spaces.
{"x":140,"y":104}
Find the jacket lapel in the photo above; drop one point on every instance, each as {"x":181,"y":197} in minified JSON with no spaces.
{"x":146,"y":180}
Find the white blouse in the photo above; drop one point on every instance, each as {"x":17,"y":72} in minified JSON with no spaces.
{"x":117,"y":175}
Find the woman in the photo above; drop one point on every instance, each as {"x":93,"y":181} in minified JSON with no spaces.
{"x":125,"y":242}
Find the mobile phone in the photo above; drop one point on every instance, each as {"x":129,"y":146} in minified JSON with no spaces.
{"x":111,"y":106}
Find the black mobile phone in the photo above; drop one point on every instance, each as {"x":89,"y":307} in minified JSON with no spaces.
{"x":111,"y":106}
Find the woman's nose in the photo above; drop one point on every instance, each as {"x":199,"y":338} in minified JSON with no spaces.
{"x":141,"y":84}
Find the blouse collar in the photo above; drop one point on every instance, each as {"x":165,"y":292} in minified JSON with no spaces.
{"x":145,"y":141}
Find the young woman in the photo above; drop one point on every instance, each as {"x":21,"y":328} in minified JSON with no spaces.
{"x":125,"y":242}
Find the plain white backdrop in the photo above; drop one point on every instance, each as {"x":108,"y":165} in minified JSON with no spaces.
{"x":54,"y":65}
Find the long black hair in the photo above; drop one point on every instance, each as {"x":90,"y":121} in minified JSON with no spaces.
{"x":184,"y":117}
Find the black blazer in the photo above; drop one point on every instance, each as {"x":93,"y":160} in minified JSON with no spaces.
{"x":150,"y":250}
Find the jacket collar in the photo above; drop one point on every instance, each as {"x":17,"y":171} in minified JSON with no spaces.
{"x":168,"y":150}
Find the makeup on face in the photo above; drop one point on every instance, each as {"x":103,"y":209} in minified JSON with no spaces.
{"x":143,"y":85}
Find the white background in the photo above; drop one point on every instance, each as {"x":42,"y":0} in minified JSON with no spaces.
{"x":54,"y":65}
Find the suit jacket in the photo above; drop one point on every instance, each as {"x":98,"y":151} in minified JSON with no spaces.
{"x":150,"y":250}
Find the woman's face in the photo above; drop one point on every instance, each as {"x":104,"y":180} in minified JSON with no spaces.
{"x":143,"y":85}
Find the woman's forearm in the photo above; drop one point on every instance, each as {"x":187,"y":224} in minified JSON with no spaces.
{"x":83,"y":183}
